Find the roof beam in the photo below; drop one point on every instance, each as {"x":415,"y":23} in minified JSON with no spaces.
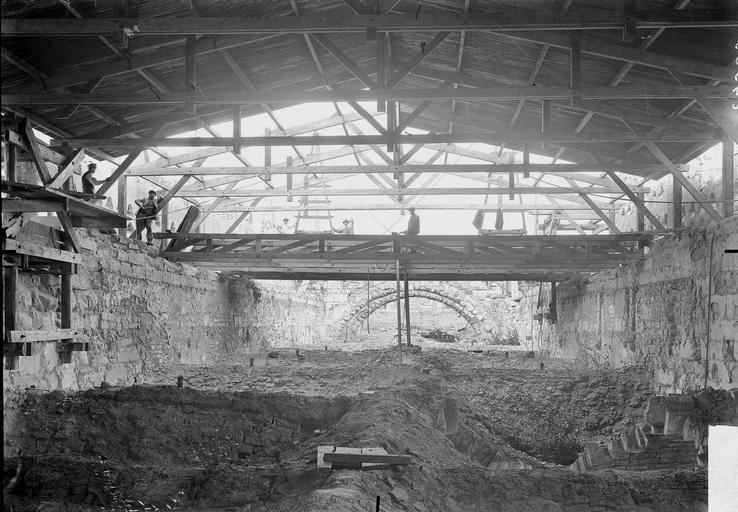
{"x":341,"y":23}
{"x":333,"y":140}
{"x":396,"y":191}
{"x":583,"y":210}
{"x":206,"y":45}
{"x":652,"y":92}
{"x":281,"y":168}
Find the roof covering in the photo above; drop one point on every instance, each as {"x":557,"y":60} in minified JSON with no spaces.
{"x":153,"y":65}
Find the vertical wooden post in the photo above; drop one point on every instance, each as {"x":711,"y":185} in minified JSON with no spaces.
{"x":552,"y":306}
{"x":267,"y":156}
{"x":66,"y":307}
{"x":122,"y":202}
{"x":289,"y":180}
{"x":640,"y":221}
{"x":526,"y":160}
{"x":190,"y":73}
{"x":165,"y":218}
{"x":66,"y":297}
{"x":545,"y":122}
{"x":10,"y":279}
{"x":367,"y":301}
{"x":399,"y":310}
{"x":676,"y":201}
{"x":10,"y":284}
{"x":576,"y":67}
{"x":388,"y":79}
{"x":407,"y":308}
{"x":236,"y":127}
{"x":12,"y":159}
{"x":728,"y":177}
{"x":381,"y":81}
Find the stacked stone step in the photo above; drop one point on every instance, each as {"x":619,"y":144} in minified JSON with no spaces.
{"x":637,"y":450}
{"x":674,"y":434}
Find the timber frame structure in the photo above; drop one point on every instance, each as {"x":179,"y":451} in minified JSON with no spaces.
{"x":627,"y":88}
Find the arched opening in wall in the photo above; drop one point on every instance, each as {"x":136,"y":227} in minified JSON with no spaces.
{"x":429,"y":318}
{"x":441,"y":316}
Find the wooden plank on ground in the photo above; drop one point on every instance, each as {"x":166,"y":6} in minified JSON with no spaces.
{"x":354,"y":458}
{"x":323,"y":450}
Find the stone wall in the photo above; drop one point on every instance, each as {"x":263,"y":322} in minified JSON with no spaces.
{"x":139,"y":312}
{"x":655,"y":312}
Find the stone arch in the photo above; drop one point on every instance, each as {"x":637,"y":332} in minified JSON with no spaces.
{"x":355,"y":313}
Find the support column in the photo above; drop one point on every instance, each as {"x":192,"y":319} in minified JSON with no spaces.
{"x":640,"y":219}
{"x":12,"y":158}
{"x":399,"y":310}
{"x":575,"y":78}
{"x":368,"y":314}
{"x":676,"y":203}
{"x":407,"y":309}
{"x":165,"y":218}
{"x":728,"y":177}
{"x":66,"y":308}
{"x":190,"y":43}
{"x":552,"y":306}
{"x":545,"y":122}
{"x":122,"y":201}
{"x":236,"y":127}
{"x":10,"y":279}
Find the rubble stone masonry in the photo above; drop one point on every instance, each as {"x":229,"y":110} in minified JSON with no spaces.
{"x":139,"y":312}
{"x":654,"y":313}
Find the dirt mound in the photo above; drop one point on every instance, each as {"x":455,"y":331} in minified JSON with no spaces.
{"x":473,"y":423}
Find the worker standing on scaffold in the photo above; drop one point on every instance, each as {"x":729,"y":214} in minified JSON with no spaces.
{"x":413,"y":224}
{"x":148,"y":208}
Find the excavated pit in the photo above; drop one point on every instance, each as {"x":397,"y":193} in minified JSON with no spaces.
{"x":481,"y":429}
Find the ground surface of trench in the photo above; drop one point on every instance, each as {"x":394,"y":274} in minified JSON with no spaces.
{"x":244,"y":438}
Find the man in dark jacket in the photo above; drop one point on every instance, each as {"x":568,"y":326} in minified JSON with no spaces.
{"x":148,"y":208}
{"x":413,"y":224}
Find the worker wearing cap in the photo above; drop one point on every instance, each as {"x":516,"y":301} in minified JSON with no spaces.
{"x":148,"y":208}
{"x":89,"y":181}
{"x":347,"y":229}
{"x":413,"y":223}
{"x":285,"y":228}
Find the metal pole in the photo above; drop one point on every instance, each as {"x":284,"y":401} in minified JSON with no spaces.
{"x":399,"y":310}
{"x":407,"y":308}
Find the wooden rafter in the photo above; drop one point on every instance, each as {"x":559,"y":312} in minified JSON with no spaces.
{"x":674,"y":171}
